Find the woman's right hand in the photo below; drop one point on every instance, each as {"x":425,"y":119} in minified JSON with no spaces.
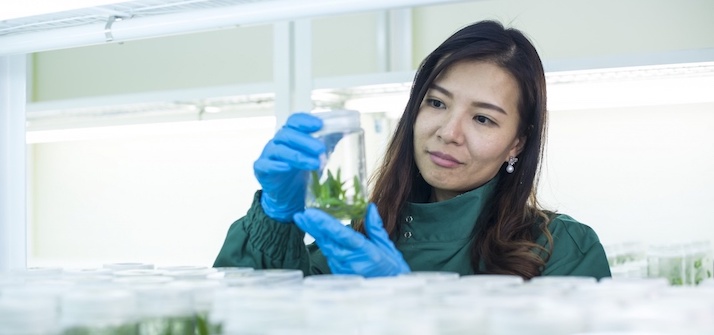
{"x":284,"y":163}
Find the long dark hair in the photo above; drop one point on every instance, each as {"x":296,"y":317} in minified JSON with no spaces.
{"x":512,"y":218}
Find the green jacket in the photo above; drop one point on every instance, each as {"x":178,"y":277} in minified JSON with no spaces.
{"x":433,"y":237}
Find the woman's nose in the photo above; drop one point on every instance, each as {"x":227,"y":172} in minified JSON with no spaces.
{"x":451,"y":128}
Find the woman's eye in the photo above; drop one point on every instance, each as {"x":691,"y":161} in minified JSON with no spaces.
{"x":482,"y":119}
{"x":435,"y":103}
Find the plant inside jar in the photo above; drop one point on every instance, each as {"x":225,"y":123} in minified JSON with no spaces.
{"x":331,"y":196}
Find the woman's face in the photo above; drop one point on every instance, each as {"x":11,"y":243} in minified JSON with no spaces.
{"x":466,"y":127}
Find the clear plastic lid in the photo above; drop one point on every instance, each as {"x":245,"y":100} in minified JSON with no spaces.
{"x":433,"y":276}
{"x":191,"y":274}
{"x":398,"y":284}
{"x":339,"y":120}
{"x":492,"y":281}
{"x":229,"y":271}
{"x":72,"y":272}
{"x":333,"y":281}
{"x":127,"y":266}
{"x":138,"y":273}
{"x":133,"y":281}
{"x":563,"y":281}
{"x":173,"y":268}
{"x":97,"y":307}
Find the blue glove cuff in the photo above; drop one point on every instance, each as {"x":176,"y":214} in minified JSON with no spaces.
{"x":275,"y":212}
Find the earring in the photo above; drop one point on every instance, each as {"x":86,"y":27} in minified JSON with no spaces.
{"x":511,"y":160}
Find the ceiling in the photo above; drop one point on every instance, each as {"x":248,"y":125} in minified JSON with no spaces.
{"x":73,"y":17}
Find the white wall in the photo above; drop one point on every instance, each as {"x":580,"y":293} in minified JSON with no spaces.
{"x":634,"y":174}
{"x":162,"y":195}
{"x":581,"y":33}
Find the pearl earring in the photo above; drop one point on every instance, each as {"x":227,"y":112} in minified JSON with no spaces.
{"x":511,"y":160}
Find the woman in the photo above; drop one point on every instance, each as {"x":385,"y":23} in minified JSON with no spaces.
{"x":456,"y":190}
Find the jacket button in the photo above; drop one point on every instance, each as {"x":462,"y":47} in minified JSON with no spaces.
{"x":408,"y":234}
{"x":408,"y":219}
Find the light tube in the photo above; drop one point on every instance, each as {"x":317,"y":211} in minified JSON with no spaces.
{"x":194,"y":21}
{"x":150,"y":129}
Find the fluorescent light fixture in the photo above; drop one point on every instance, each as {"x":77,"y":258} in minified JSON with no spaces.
{"x":392,"y":104}
{"x":245,"y":13}
{"x":668,"y":84}
{"x":17,"y":9}
{"x":153,"y":129}
{"x":633,"y":86}
{"x":573,"y":90}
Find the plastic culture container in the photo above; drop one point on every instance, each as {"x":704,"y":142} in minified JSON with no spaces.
{"x":642,"y":316}
{"x":228,"y":272}
{"x":332,"y":281}
{"x":256,"y":310}
{"x":433,"y":276}
{"x":28,"y":317}
{"x":138,"y":273}
{"x":128,"y":266}
{"x":165,"y":310}
{"x":38,"y":273}
{"x":338,"y":188}
{"x":559,"y":283}
{"x":266,"y":277}
{"x":98,"y":312}
{"x":202,"y":294}
{"x":85,"y":272}
{"x":404,"y":286}
{"x":627,"y":260}
{"x":198,"y":274}
{"x":667,"y":261}
{"x":536,"y":317}
{"x":699,"y":262}
{"x":492,"y":282}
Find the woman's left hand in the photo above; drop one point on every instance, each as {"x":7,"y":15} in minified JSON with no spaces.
{"x":349,"y":252}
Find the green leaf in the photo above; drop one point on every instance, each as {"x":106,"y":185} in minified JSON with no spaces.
{"x":331,"y":196}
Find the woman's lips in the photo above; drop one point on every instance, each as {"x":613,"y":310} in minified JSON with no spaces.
{"x":443,"y":160}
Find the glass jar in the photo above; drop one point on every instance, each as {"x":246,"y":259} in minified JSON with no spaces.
{"x":699,"y":262}
{"x":667,"y":261}
{"x":338,"y":187}
{"x":27,"y":316}
{"x":164,"y":309}
{"x":98,"y":311}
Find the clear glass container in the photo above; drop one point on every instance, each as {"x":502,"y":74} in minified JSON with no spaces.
{"x":546,"y":316}
{"x":667,"y":261}
{"x":97,"y":311}
{"x":165,"y":309}
{"x":338,"y":188}
{"x":202,"y":295}
{"x":699,"y":262}
{"x":256,"y":310}
{"x":27,"y":316}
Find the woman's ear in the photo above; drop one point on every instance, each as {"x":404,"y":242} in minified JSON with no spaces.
{"x":518,"y":144}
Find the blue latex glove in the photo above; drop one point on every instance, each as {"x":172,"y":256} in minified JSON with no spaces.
{"x":282,"y":168}
{"x":349,"y":252}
